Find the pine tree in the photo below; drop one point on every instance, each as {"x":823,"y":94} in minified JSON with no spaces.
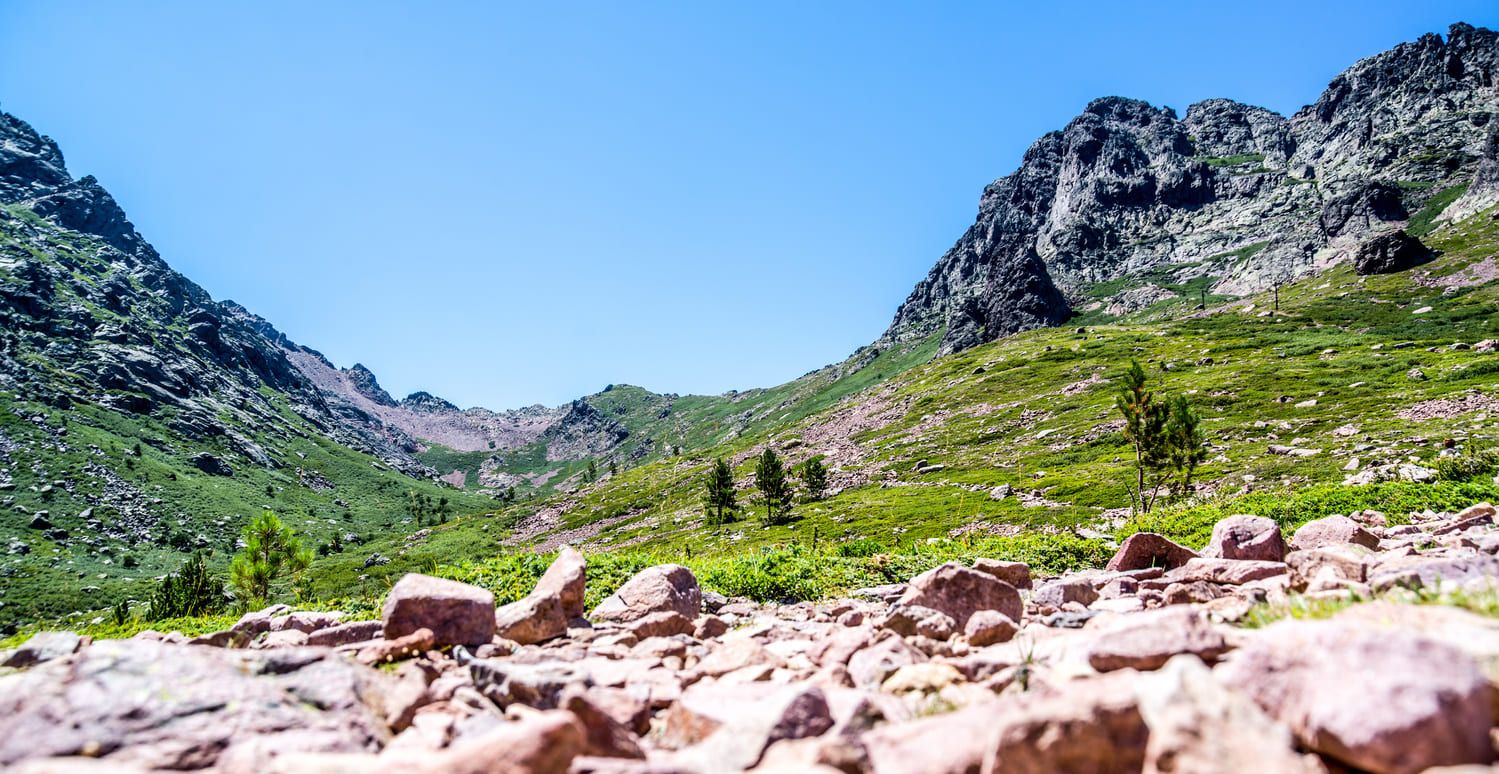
{"x":592,"y":474}
{"x":613,"y":468}
{"x":1185,"y":444}
{"x":775,"y":489}
{"x":191,"y":591}
{"x":1144,"y":428}
{"x":271,"y":550}
{"x":720,"y":501}
{"x":814,"y":479}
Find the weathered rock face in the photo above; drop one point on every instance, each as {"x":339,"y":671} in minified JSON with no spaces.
{"x":1224,"y":192}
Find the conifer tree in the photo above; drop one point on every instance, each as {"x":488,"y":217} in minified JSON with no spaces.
{"x":592,"y":474}
{"x":272,"y":550}
{"x":775,"y":489}
{"x":1187,"y":448}
{"x":720,"y":501}
{"x":1144,"y":428}
{"x":814,"y":479}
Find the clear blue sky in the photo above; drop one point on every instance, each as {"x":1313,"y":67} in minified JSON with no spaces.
{"x":506,"y":204}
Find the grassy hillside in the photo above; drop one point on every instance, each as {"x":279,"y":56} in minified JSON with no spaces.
{"x":1020,"y":438}
{"x":660,"y":427}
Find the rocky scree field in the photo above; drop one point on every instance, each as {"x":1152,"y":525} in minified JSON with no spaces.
{"x":1233,"y":658}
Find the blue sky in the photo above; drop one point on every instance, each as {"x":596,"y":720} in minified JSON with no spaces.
{"x":514,"y":203}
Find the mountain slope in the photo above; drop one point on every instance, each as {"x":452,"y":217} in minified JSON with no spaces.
{"x":140,"y":419}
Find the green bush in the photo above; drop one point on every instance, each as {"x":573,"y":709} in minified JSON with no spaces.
{"x":1468,"y":465}
{"x":189,"y":592}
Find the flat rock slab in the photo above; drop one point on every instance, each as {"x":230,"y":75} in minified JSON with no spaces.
{"x":1147,"y":640}
{"x":1147,"y":549}
{"x":153,"y":705}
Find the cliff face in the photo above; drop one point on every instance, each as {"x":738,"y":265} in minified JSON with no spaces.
{"x":1231,"y":196}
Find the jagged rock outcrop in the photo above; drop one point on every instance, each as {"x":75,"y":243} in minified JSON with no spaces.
{"x":1225,"y":193}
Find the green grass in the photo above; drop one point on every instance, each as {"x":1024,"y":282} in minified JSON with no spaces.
{"x":1303,"y":608}
{"x":1423,"y":222}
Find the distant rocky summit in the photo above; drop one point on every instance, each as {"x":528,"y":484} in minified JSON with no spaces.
{"x":1234,"y":196}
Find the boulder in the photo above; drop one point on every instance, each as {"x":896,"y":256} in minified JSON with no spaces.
{"x":1477,"y":572}
{"x":1345,"y":561}
{"x":565,"y":580}
{"x":604,"y":736}
{"x":1333,"y":530}
{"x":1389,"y":253}
{"x":539,"y":743}
{"x":1017,"y":574}
{"x":663,"y":624}
{"x":536,"y":618}
{"x":989,"y":627}
{"x":207,"y":706}
{"x":1246,"y":537}
{"x":347,"y":633}
{"x":1060,"y":592}
{"x":1147,"y":640}
{"x":959,"y":592}
{"x":41,"y":648}
{"x":1094,"y":725}
{"x":456,"y":613}
{"x":1233,"y":572}
{"x":1198,"y":725}
{"x":908,"y":620}
{"x":1147,"y":549}
{"x":869,"y":667}
{"x":663,"y":588}
{"x":729,"y":727}
{"x":1374,"y":699}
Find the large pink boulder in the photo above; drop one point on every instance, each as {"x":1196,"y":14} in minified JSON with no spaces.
{"x":1333,"y":530}
{"x":1375,"y":699}
{"x":1246,"y":537}
{"x":659,"y":589}
{"x":565,"y":580}
{"x":1147,"y":549}
{"x":959,"y":592}
{"x":456,"y":613}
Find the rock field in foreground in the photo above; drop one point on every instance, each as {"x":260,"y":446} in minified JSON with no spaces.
{"x":1137,"y":667}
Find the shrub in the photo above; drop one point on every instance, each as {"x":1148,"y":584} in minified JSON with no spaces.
{"x":1469,"y":464}
{"x":191,"y":591}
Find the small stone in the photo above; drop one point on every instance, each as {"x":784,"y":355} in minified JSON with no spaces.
{"x":989,"y":627}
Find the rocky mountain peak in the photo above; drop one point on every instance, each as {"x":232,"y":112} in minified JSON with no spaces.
{"x":366,"y":384}
{"x":1128,"y":191}
{"x":426,"y":402}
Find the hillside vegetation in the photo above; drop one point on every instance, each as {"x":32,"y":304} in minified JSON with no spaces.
{"x":1013,"y":449}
